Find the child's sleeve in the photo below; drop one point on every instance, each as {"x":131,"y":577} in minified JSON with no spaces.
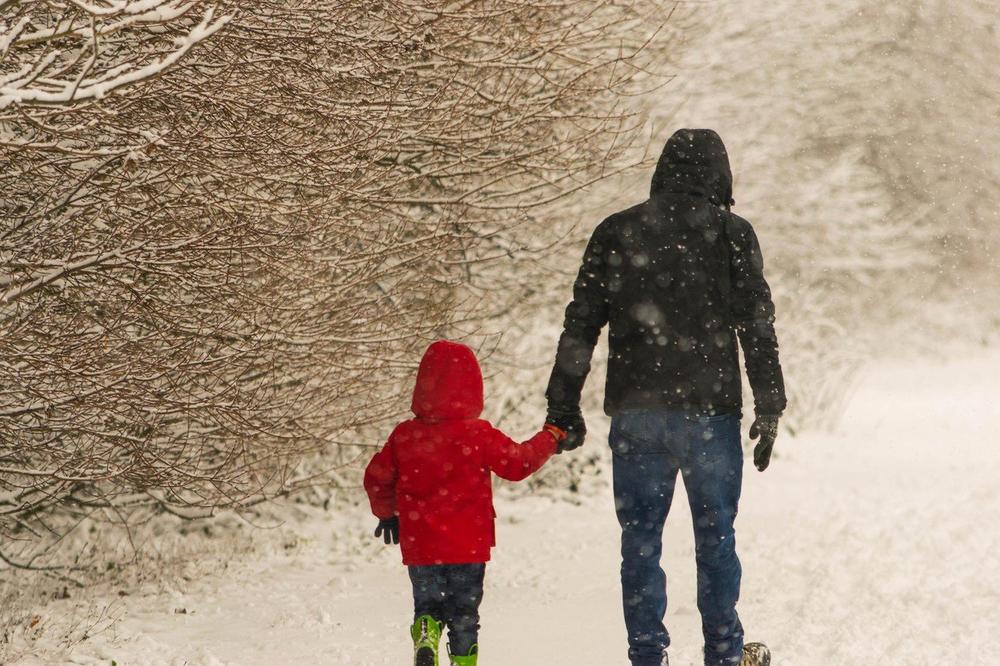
{"x":513,"y":461}
{"x":380,"y":482}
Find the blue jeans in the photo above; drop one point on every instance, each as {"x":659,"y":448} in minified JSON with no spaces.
{"x":649,"y":448}
{"x":451,"y":594}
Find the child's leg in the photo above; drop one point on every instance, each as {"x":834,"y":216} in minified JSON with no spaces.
{"x":430,"y":590}
{"x":430,"y":587}
{"x":465,"y":593}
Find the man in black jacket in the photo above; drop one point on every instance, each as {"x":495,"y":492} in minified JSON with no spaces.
{"x":678,"y":279}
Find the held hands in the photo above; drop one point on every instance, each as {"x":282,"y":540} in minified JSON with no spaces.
{"x":557,"y":433}
{"x":388,"y":529}
{"x":764,"y":426}
{"x":569,"y":421}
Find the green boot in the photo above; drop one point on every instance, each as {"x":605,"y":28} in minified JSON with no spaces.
{"x":468,"y":660}
{"x":426,"y":633}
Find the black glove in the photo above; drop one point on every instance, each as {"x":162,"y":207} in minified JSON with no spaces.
{"x":388,"y":529}
{"x":764,"y":426}
{"x":571,"y":422}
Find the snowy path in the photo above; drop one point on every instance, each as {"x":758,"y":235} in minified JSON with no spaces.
{"x":875,"y":545}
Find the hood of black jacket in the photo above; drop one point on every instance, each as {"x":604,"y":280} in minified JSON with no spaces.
{"x":695,"y":162}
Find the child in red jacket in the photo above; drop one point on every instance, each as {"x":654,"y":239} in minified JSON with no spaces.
{"x":430,"y":487}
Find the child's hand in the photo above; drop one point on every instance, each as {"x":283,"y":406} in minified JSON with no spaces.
{"x":388,"y":529}
{"x":557,"y":433}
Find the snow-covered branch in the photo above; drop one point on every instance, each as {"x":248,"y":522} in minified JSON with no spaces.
{"x":60,"y":77}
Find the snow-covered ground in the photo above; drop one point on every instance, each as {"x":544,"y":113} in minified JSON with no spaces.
{"x":874,"y":544}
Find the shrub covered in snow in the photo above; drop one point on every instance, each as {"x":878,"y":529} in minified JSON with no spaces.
{"x":226,"y":230}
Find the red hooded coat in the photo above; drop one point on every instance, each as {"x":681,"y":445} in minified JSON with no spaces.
{"x":434,"y":472}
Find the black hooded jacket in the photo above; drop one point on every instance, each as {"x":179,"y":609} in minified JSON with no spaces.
{"x":678,"y":279}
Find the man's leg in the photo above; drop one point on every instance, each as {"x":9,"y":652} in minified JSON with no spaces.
{"x":643,"y":486}
{"x":713,"y":475}
{"x":465,"y":593}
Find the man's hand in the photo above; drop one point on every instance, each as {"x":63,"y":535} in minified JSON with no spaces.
{"x":571,"y":422}
{"x":388,"y":529}
{"x":764,"y":426}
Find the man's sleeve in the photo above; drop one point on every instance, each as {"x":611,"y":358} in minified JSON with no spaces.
{"x":753,"y":314}
{"x":586,"y":314}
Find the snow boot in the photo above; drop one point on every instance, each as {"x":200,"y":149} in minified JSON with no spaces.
{"x":468,"y":660}
{"x":426,"y":634}
{"x":755,"y":654}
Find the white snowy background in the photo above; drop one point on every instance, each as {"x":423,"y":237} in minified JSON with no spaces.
{"x":858,"y":132}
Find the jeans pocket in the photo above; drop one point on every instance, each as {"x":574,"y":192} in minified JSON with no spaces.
{"x":714,"y":437}
{"x":636,"y":433}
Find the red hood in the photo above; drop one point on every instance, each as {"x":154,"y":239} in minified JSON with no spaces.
{"x":449,"y":383}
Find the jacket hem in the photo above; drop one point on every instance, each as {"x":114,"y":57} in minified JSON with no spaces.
{"x":428,"y":562}
{"x":615,"y":408}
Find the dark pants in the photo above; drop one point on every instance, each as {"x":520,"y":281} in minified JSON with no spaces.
{"x":451,"y":594}
{"x":650,"y":447}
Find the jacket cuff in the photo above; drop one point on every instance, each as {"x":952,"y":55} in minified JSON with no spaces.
{"x":564,"y":410}
{"x":557,"y":433}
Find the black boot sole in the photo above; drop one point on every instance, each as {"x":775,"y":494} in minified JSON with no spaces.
{"x":424,"y":657}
